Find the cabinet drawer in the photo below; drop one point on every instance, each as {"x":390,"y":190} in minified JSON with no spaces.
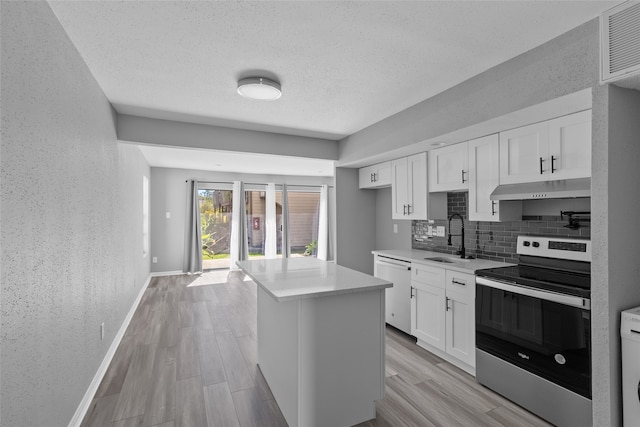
{"x":433,"y":276}
{"x":462,"y":283}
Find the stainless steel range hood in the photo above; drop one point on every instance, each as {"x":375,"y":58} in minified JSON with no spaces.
{"x":562,"y":189}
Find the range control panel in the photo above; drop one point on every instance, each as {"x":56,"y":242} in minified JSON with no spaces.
{"x":555,"y":247}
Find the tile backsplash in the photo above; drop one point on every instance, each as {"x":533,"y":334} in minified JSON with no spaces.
{"x":489,"y":240}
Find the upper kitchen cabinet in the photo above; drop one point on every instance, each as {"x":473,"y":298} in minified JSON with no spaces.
{"x":409,"y":194}
{"x":375,"y":176}
{"x":523,"y":152}
{"x":484,"y":175}
{"x":570,"y":146}
{"x":449,"y":168}
{"x":555,"y":149}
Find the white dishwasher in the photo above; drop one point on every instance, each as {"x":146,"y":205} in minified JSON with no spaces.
{"x":398,"y":297}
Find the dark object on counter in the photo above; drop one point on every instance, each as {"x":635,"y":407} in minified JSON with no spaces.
{"x":461,"y":252}
{"x":574,"y":223}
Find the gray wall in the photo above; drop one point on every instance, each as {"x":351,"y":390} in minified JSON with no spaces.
{"x":169,"y":194}
{"x":355,"y":222}
{"x":562,"y":66}
{"x":615,"y":267}
{"x":385,"y":237}
{"x":71,"y":221}
{"x":172,"y":133}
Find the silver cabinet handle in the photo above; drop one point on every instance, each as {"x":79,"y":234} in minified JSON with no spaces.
{"x":446,"y":304}
{"x":553,"y":165}
{"x":493,"y":207}
{"x":411,"y":292}
{"x":463,"y":180}
{"x":408,"y":209}
{"x":541,"y":160}
{"x":456,"y":282}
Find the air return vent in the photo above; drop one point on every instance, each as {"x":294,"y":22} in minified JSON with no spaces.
{"x":620,"y":42}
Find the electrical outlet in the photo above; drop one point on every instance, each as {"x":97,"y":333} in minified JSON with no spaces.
{"x":168,"y":215}
{"x":154,"y":260}
{"x":395,"y":228}
{"x":440,"y":231}
{"x":101,"y":331}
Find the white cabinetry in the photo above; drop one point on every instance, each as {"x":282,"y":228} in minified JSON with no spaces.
{"x":484,"y":176}
{"x":460,"y":316}
{"x":551,"y":150}
{"x":428,"y":305}
{"x":570,"y":146}
{"x":409,"y":195}
{"x":449,"y":168}
{"x":442,"y":313}
{"x":375,"y":176}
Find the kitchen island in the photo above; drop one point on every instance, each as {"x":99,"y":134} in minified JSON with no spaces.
{"x":320,"y":339}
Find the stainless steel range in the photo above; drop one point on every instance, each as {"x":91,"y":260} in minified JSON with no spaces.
{"x":533,"y":329}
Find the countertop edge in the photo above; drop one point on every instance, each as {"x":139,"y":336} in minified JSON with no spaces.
{"x":470,"y":266}
{"x":317,"y":294}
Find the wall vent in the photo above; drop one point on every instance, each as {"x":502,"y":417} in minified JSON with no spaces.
{"x":620,"y":42}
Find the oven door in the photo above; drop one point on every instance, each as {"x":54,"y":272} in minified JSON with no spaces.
{"x":545,"y":333}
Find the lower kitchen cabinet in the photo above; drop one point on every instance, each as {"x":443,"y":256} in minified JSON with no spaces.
{"x":428,"y":314}
{"x":443,"y":314}
{"x":460,"y":316}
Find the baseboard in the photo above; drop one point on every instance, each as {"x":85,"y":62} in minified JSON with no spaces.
{"x":167,"y":273}
{"x":85,"y":403}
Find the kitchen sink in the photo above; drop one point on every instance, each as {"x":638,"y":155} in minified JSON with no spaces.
{"x":446,"y":260}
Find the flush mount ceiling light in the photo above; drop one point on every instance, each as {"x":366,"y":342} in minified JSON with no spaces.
{"x":259,"y":88}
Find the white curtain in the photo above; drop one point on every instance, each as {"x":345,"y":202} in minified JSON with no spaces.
{"x":271,"y":237}
{"x":239,"y":244}
{"x":323,"y":223}
{"x":286,"y":250}
{"x":192,"y":256}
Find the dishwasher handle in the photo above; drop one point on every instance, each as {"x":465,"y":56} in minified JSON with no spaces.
{"x":394,"y":263}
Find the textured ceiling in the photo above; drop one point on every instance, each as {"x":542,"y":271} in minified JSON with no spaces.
{"x":343,"y":65}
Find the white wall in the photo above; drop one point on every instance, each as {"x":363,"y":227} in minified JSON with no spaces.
{"x":169,"y":194}
{"x":71,"y":220}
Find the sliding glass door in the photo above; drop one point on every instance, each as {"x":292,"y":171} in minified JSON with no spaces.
{"x":304,"y":208}
{"x":216,"y":207}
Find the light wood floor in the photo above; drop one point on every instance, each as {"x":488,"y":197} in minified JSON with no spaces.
{"x":188,"y":358}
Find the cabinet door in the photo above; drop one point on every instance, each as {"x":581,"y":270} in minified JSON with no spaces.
{"x":524,"y":154}
{"x":383,"y":174}
{"x":417,"y":186}
{"x":365,"y":177}
{"x":449,"y":168}
{"x":460,"y":326}
{"x":460,"y":315}
{"x":484,"y":175}
{"x":428,"y":314}
{"x":399,"y":184}
{"x":570,"y":146}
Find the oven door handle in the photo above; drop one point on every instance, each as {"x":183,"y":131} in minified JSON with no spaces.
{"x":571,"y":300}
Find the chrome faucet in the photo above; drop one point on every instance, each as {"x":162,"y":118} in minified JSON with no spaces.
{"x":462,"y":251}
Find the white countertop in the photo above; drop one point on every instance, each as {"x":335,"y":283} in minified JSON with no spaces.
{"x":463,"y":266}
{"x":295,"y":278}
